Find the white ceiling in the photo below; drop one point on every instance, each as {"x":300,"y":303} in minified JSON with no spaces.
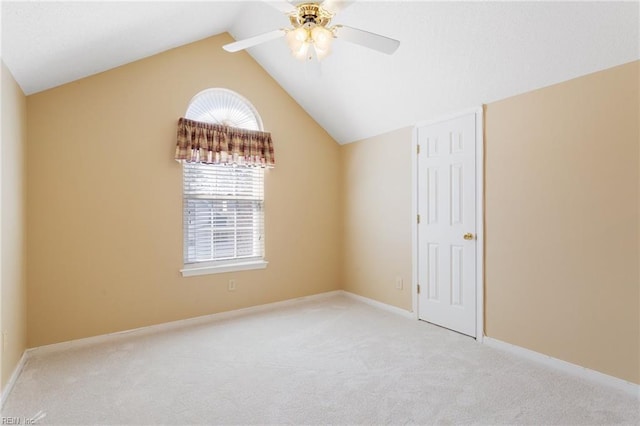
{"x":452,"y":56}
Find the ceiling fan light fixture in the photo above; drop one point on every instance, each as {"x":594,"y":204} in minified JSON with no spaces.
{"x":301,"y":38}
{"x":298,"y":41}
{"x":321,"y":54}
{"x":322,"y":38}
{"x":303,"y":52}
{"x":297,"y":38}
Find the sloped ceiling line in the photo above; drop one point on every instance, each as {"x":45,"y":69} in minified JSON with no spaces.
{"x":452,"y":56}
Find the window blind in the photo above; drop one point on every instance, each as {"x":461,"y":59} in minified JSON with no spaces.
{"x":223,"y":213}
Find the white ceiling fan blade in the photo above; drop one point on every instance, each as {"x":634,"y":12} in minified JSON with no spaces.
{"x":365,"y":38}
{"x":282,"y":5}
{"x":253,"y":41}
{"x":336,"y":6}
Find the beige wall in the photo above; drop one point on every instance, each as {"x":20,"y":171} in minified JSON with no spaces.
{"x":377,"y":217}
{"x":13,"y":282}
{"x":562,"y":221}
{"x":104,"y":198}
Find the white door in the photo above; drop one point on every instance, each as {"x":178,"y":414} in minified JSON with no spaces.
{"x":447,"y":223}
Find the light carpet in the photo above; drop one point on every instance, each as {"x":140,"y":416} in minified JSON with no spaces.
{"x":327,"y":361}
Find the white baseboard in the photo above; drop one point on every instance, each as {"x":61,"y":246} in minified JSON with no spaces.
{"x":380,"y":305}
{"x":567,"y":367}
{"x":56,"y":347}
{"x":12,"y":381}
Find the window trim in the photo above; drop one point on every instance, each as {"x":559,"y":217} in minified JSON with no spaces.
{"x":213,"y":267}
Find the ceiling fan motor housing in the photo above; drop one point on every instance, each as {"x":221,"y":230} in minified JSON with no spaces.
{"x":308,"y":15}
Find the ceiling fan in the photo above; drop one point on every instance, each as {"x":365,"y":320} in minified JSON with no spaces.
{"x":311,"y":34}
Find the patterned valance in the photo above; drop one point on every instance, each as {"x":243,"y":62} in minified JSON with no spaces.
{"x":218,"y":144}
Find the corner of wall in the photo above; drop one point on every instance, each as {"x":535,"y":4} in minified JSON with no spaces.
{"x":13,"y":282}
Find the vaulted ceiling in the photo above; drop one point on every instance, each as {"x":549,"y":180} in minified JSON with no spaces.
{"x":453,"y":55}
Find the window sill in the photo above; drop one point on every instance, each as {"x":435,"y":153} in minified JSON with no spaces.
{"x":195,"y":270}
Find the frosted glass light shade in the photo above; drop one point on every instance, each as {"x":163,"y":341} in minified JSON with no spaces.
{"x":322,"y":38}
{"x":302,"y":52}
{"x":297,"y":39}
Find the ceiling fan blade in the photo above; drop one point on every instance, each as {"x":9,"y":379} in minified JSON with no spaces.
{"x":365,"y":38}
{"x":253,"y":41}
{"x":336,"y":6}
{"x":282,"y":5}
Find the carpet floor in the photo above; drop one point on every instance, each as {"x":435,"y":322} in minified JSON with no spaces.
{"x":320,"y":361}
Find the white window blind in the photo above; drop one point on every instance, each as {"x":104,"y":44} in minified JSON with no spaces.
{"x":223,"y":213}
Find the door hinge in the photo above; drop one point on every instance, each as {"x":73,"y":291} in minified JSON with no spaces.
{"x":418,"y":149}
{"x":418,"y":288}
{"x":418,"y":218}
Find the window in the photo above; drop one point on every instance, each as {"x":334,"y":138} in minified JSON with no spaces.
{"x":223,"y":204}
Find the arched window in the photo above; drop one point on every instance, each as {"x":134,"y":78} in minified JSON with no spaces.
{"x":223,"y":204}
{"x":224,"y":106}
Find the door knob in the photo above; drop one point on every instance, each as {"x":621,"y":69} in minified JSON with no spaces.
{"x":468,"y":236}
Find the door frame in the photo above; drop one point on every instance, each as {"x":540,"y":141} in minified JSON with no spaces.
{"x":479,"y":117}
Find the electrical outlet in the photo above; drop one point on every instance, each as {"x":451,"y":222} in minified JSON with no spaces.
{"x":399,"y":283}
{"x":232,"y":285}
